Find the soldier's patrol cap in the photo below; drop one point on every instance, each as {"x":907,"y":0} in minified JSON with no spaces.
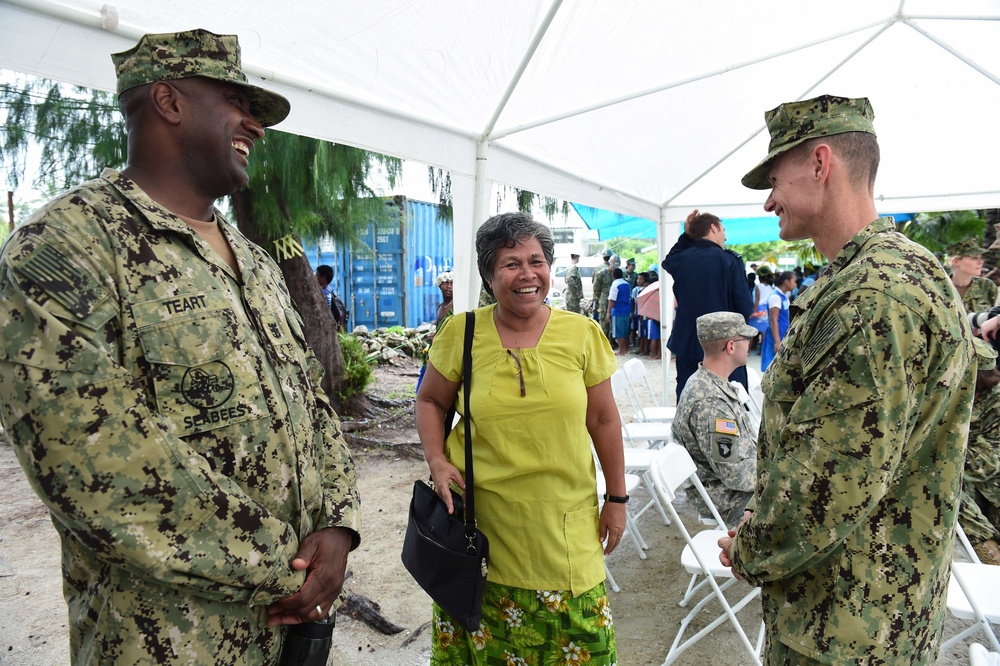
{"x":986,"y":356}
{"x":630,"y":261}
{"x":179,"y":55}
{"x":793,"y":123}
{"x":608,"y":253}
{"x":722,"y":326}
{"x":967,"y":247}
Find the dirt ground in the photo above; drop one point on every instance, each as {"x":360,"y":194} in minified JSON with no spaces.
{"x":646,"y":614}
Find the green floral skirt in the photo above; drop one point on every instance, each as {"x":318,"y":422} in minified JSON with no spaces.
{"x":530,"y":628}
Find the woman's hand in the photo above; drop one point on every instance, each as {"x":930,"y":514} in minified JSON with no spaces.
{"x":612,"y":525}
{"x":443,"y":474}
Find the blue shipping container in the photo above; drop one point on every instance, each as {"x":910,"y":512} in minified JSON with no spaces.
{"x":387,"y":279}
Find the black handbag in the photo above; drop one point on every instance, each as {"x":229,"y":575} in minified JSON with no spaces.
{"x":447,"y":555}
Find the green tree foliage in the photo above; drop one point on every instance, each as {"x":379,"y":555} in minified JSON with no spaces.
{"x":936,"y":231}
{"x":79,"y":131}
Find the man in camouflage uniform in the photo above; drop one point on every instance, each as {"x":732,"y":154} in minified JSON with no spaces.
{"x":851,"y":529}
{"x":965,"y":258}
{"x":574,"y":286}
{"x":980,"y":511}
{"x":158,"y":390}
{"x":712,"y":419}
{"x":602,"y":288}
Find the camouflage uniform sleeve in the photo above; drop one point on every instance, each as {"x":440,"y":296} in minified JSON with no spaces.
{"x":105,"y":464}
{"x":341,"y":501}
{"x":843,"y":399}
{"x":982,"y":458}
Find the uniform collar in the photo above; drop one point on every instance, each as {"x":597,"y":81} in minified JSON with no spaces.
{"x":157,"y":216}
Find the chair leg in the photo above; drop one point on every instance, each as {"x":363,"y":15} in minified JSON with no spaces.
{"x":611,"y":579}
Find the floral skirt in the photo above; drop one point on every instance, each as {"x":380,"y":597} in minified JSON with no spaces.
{"x":530,"y":627}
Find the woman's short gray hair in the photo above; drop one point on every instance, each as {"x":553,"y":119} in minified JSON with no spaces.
{"x":505,"y":231}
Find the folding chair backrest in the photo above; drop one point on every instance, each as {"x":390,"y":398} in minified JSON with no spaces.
{"x":635,"y":372}
{"x":966,"y":544}
{"x":619,"y":388}
{"x":676,"y":470}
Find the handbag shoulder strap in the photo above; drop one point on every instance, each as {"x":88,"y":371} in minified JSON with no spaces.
{"x":470,"y":507}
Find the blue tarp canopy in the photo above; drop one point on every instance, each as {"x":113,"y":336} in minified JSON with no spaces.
{"x":739,"y":230}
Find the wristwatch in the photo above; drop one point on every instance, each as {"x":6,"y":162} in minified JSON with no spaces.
{"x":616,"y":499}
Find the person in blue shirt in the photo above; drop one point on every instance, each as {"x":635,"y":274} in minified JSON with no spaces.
{"x":620,"y":309}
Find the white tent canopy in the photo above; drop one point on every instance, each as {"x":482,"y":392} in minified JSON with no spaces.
{"x":644,"y":107}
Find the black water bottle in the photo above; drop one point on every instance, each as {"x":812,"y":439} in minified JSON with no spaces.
{"x":308,"y":643}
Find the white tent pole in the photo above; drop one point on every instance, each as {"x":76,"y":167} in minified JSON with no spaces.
{"x":529,"y":53}
{"x":665,"y":230}
{"x":465,"y":234}
{"x":947,"y":47}
{"x":681,"y":82}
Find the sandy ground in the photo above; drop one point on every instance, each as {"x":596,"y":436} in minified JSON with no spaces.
{"x":646,"y":614}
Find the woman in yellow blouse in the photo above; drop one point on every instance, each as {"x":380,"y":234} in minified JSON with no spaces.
{"x":540,"y":392}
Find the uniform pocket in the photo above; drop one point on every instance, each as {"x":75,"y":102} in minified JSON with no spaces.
{"x":202,"y":374}
{"x":583,"y":548}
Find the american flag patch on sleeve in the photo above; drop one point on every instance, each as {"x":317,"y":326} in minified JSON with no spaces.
{"x":726,"y":427}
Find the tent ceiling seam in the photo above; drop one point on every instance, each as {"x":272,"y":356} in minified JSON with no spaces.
{"x":614,"y":101}
{"x":950,"y":49}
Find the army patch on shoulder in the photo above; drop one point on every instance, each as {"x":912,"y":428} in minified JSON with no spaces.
{"x":63,"y":280}
{"x":726,"y":427}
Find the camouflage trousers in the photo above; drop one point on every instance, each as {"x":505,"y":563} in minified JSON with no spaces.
{"x":979,"y":513}
{"x":573,"y":305}
{"x":777,"y":653}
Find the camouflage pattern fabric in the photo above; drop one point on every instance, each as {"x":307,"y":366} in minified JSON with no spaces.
{"x":574,"y":289}
{"x":714,"y":426}
{"x":179,"y":55}
{"x":981,"y":480}
{"x":602,"y":288}
{"x":967,"y":247}
{"x":168,"y":413}
{"x":859,"y":459}
{"x":485,"y":298}
{"x":980,"y":296}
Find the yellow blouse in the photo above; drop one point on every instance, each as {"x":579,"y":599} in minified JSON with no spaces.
{"x":536,"y":498}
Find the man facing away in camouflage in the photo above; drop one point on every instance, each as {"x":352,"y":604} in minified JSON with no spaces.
{"x":158,"y":390}
{"x":851,"y":529}
{"x":712,"y":419}
{"x":574,"y":285}
{"x":602,"y":285}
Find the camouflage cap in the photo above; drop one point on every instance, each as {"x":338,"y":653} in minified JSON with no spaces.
{"x":986,"y":356}
{"x":722,"y":326}
{"x":179,"y":55}
{"x":630,"y":261}
{"x":607,"y":253}
{"x":967,"y":247}
{"x":795,"y":122}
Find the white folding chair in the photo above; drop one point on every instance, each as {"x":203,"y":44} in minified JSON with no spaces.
{"x":980,"y":656}
{"x":641,"y":434}
{"x":632,"y":482}
{"x":700,"y":558}
{"x":638,"y":384}
{"x":973,"y":594}
{"x":638,"y":460}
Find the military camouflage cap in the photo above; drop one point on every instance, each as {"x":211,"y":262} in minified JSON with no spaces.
{"x":968,"y":247}
{"x":630,"y":261}
{"x":607,"y":253}
{"x":179,"y":55}
{"x":986,"y":356}
{"x":795,"y":122}
{"x":722,"y":326}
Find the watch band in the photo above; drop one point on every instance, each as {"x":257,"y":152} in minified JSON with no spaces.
{"x":616,"y":499}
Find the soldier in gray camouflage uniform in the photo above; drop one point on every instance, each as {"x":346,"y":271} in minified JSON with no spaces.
{"x":574,"y":286}
{"x":159,"y":392}
{"x":712,"y":422}
{"x":867,"y":404}
{"x":602,"y":286}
